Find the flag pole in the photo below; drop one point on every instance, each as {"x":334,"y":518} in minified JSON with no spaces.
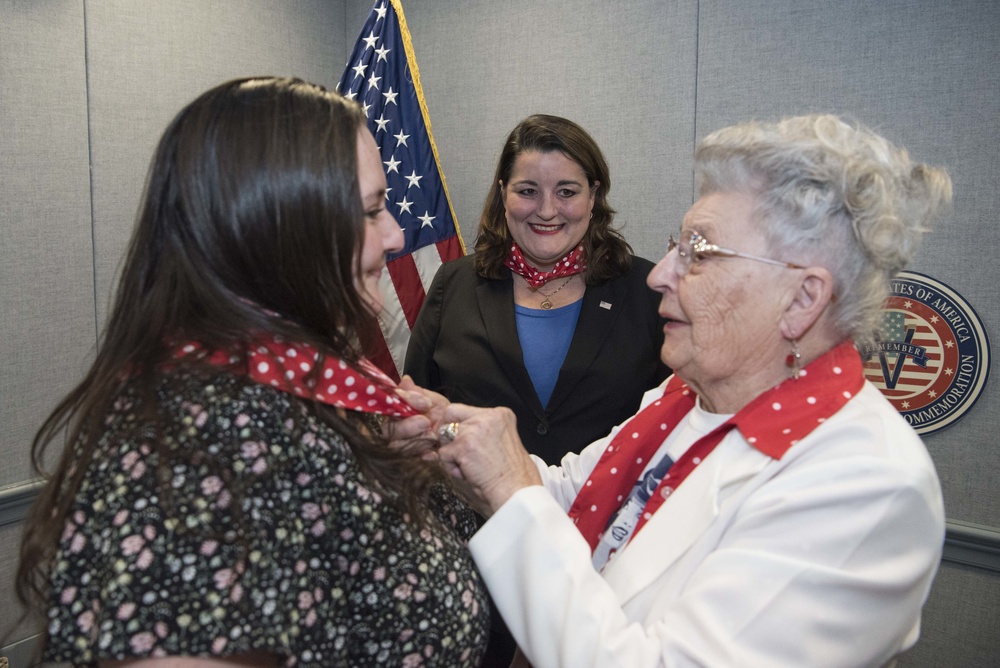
{"x":411,"y":62}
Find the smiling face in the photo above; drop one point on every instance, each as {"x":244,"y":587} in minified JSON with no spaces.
{"x":723,"y":332}
{"x":548,"y":203}
{"x":382,"y":233}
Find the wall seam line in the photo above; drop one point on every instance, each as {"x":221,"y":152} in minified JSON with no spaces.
{"x":90,"y":169}
{"x":694,"y":115}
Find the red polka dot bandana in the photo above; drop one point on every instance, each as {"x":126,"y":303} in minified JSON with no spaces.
{"x":292,"y":368}
{"x":572,"y":263}
{"x":772,"y":423}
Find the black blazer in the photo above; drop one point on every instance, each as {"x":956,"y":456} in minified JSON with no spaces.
{"x":465,"y":346}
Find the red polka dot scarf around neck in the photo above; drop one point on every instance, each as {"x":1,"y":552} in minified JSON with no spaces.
{"x":572,"y":263}
{"x":291,"y":368}
{"x":772,"y":423}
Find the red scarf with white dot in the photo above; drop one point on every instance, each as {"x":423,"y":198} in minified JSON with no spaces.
{"x":292,"y":368}
{"x":772,"y":423}
{"x":572,"y":263}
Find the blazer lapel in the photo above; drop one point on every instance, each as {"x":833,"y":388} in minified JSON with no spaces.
{"x":687,"y":517}
{"x":601,"y":307}
{"x":496,"y":306}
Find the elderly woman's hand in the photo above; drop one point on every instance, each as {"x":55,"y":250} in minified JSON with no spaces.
{"x":485,"y":455}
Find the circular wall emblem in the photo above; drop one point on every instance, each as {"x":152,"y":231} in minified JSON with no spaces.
{"x":931,"y":355}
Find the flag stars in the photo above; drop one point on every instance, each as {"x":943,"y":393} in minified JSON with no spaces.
{"x":380,"y":11}
{"x":373,"y":81}
{"x":390,"y":97}
{"x":413,"y":179}
{"x":404,"y":205}
{"x":382,"y":53}
{"x":392,"y":165}
{"x":351,"y":95}
{"x":359,"y":69}
{"x":370,"y":40}
{"x":401,"y":139}
{"x":381,"y":122}
{"x":426,"y":220}
{"x":367,"y":107}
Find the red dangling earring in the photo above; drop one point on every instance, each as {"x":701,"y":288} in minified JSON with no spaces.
{"x":793,"y":361}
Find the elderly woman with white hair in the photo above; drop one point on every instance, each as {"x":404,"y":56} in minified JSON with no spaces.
{"x":766,"y":506}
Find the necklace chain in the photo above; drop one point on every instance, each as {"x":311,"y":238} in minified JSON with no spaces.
{"x":547,"y":302}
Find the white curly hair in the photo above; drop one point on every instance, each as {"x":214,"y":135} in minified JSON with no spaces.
{"x":831,"y":194}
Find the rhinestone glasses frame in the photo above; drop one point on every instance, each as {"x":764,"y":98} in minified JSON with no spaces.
{"x":692,"y":247}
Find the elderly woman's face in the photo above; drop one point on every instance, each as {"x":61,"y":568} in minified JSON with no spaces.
{"x":548,"y":203}
{"x":723,"y":315}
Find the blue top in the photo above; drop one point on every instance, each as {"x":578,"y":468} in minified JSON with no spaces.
{"x":545,"y":337}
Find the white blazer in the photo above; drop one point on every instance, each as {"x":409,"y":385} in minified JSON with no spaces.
{"x":822,"y":558}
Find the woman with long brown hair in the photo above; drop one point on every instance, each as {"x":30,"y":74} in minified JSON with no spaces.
{"x":226,"y":495}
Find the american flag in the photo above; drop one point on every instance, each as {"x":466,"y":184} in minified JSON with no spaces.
{"x":382,"y":75}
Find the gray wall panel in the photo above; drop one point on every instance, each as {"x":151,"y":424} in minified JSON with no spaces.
{"x":11,"y":611}
{"x":960,"y":622}
{"x":46,"y":270}
{"x":924,"y":73}
{"x":147,"y":60}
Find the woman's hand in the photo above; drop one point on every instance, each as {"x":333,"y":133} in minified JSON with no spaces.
{"x":417,"y":434}
{"x":486,"y":456}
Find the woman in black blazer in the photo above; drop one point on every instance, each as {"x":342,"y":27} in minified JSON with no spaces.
{"x":552,"y":316}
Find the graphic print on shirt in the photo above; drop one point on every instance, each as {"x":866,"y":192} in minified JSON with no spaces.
{"x":622,"y":524}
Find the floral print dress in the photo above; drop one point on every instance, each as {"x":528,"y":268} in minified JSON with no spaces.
{"x":268,"y":539}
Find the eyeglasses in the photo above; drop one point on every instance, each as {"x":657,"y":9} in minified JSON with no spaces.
{"x":693,"y":247}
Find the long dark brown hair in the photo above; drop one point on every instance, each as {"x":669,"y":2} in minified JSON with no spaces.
{"x":250,"y":224}
{"x":608,"y":254}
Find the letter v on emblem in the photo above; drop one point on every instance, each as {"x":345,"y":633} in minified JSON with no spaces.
{"x":892,"y":378}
